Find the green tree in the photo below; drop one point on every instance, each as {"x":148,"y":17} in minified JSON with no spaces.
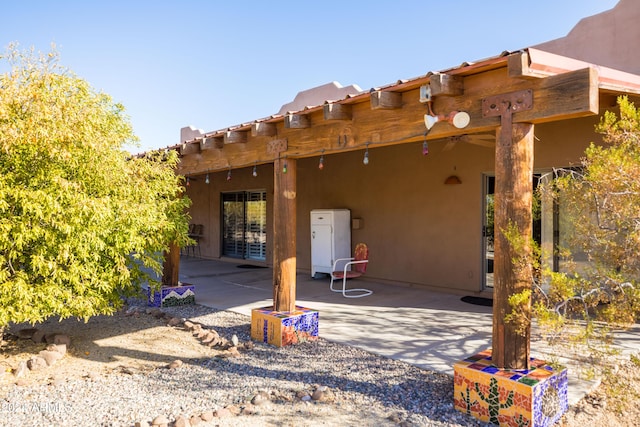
{"x":82,"y":222}
{"x":602,"y":203}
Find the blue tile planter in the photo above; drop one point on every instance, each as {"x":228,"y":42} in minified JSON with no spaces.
{"x":172,"y":296}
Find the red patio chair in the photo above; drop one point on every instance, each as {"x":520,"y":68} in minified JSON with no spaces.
{"x":359,"y":263}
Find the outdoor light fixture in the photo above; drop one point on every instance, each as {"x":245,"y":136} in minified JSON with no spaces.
{"x":188,"y":182}
{"x":321,"y":163}
{"x":255,"y":170}
{"x":365,"y":160}
{"x":459,"y":119}
{"x":206,"y":179}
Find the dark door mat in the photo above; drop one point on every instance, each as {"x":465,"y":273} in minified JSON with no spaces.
{"x":250,"y":266}
{"x":487,"y":302}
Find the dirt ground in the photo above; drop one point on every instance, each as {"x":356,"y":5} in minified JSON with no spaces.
{"x":142,"y":342}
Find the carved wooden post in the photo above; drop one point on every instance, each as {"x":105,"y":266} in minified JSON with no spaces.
{"x":512,"y":212}
{"x":284,"y":235}
{"x":513,"y":196}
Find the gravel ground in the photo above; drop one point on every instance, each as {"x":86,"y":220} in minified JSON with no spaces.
{"x":357,"y":388}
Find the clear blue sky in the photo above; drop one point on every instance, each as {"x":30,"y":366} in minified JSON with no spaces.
{"x":213,"y":64}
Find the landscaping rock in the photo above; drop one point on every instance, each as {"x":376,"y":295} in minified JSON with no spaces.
{"x":195,"y":420}
{"x":188,"y":325}
{"x":26,"y":334}
{"x":260,"y":399}
{"x":222,"y":413}
{"x":142,"y":424}
{"x":175,"y":364}
{"x":50,"y":357}
{"x":174,"y":321}
{"x":60,"y":348}
{"x":182,"y":421}
{"x":38,"y":336}
{"x":160,"y":421}
{"x":206,"y":416}
{"x":36,"y":363}
{"x":21,"y":370}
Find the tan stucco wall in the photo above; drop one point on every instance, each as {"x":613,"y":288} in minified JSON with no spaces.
{"x":419,"y":230}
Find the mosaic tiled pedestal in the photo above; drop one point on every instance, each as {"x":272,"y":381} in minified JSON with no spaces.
{"x":172,"y":296}
{"x":281,"y":328}
{"x":536,"y":397}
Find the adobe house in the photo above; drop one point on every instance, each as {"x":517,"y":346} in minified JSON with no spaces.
{"x":420,"y":230}
{"x":425,"y":188}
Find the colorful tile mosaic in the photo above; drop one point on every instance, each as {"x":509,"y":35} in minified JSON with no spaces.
{"x":535,"y":397}
{"x":281,"y":328}
{"x":172,"y":296}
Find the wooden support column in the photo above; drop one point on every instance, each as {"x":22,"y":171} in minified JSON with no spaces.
{"x":284,"y":235}
{"x":512,"y":204}
{"x":171,"y":266}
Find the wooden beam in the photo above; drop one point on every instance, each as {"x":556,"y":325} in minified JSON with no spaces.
{"x":297,"y":121}
{"x":385,"y":100}
{"x":276,"y":146}
{"x":518,"y":66}
{"x":335,"y":111}
{"x":512,"y":264}
{"x":235,"y":136}
{"x":263,"y":129}
{"x":209,"y":143}
{"x":189,"y":148}
{"x":446,"y":85}
{"x":284,"y":235}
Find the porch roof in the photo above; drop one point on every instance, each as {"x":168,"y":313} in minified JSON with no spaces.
{"x":451,"y":84}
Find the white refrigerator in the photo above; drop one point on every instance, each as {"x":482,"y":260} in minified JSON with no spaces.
{"x":330,"y":238}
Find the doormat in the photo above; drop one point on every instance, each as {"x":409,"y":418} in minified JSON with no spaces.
{"x":487,"y":302}
{"x":250,"y":266}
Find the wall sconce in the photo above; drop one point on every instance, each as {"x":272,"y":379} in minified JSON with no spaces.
{"x":452,"y":180}
{"x":459,"y":119}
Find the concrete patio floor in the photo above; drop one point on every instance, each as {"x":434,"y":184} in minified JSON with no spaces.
{"x":428,"y":329}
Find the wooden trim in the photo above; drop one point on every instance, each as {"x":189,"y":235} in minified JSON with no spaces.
{"x":235,"y":137}
{"x":189,"y":148}
{"x":335,"y":111}
{"x":385,"y":100}
{"x":263,"y":129}
{"x":297,"y":121}
{"x":446,"y":85}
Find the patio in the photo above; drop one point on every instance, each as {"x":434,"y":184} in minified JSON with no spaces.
{"x":427,"y":329}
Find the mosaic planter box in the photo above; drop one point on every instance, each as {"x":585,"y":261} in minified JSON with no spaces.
{"x":172,"y":296}
{"x":536,"y":397}
{"x":281,"y":328}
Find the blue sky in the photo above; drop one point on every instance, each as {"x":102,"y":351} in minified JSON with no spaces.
{"x":214,"y":64}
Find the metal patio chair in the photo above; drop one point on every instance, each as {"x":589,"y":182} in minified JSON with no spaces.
{"x":354,"y":267}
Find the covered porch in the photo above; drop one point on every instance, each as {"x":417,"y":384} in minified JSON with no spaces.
{"x":416,"y":325}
